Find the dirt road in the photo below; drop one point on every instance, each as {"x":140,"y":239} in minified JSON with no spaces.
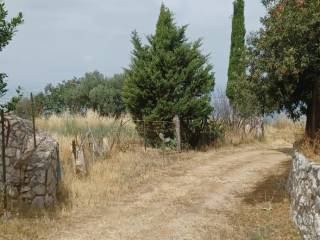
{"x":190,"y":201}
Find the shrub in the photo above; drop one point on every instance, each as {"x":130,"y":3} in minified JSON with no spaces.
{"x":169,"y":76}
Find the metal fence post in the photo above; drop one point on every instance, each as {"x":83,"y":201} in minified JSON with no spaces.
{"x":33,"y":121}
{"x":4,"y":173}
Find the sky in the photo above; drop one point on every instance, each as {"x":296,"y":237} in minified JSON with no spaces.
{"x":63,"y":39}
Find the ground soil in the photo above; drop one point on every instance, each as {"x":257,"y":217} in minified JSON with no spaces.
{"x":212,"y":196}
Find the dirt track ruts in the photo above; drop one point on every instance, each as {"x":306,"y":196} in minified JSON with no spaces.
{"x":190,"y":201}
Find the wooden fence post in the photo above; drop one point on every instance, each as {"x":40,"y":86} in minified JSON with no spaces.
{"x":178,"y":132}
{"x":74,"y":150}
{"x":80,"y":162}
{"x":4,"y":173}
{"x":144,"y":135}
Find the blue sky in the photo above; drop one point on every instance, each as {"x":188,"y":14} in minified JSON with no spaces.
{"x":65,"y":38}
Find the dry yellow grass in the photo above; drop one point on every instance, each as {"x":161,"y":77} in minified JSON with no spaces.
{"x":284,"y":129}
{"x":294,"y":132}
{"x":238,"y":137}
{"x":109,"y":177}
{"x":310,"y":148}
{"x":91,"y":119}
{"x":265,"y":211}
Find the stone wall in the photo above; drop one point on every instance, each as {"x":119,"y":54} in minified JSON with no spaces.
{"x":32,"y":173}
{"x":304,"y":188}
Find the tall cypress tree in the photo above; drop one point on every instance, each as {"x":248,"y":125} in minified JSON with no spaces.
{"x":168,"y":76}
{"x":236,"y":65}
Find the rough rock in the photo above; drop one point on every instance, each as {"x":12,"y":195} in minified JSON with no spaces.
{"x":304,"y":189}
{"x":32,"y":173}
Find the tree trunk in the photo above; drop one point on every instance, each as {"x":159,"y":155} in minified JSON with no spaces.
{"x":313,"y":114}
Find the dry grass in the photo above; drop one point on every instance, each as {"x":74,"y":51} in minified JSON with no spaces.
{"x":294,"y":132}
{"x":122,"y":171}
{"x":236,"y":137}
{"x":72,"y":125}
{"x":284,"y":129}
{"x":310,"y":148}
{"x":110,"y":176}
{"x":265,"y":211}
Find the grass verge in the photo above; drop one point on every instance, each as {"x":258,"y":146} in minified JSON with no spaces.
{"x":264,"y":213}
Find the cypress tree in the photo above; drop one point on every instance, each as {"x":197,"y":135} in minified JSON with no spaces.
{"x":169,"y":75}
{"x":236,"y":65}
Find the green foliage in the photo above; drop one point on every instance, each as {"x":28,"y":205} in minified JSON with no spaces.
{"x":86,"y":84}
{"x":236,"y":65}
{"x":92,"y":91}
{"x":107,"y":98}
{"x":285,"y":58}
{"x":12,"y":104}
{"x":7,"y":30}
{"x":169,"y":76}
{"x":251,"y":96}
{"x":23,"y":108}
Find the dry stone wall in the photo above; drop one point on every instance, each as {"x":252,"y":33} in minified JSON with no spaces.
{"x":32,"y":174}
{"x":304,"y":188}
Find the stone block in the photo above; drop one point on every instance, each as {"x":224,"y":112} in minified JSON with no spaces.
{"x":27,"y":166}
{"x":25,"y":189}
{"x":39,"y":190}
{"x":49,"y":200}
{"x":305,"y":196}
{"x":27,"y":195}
{"x":13,"y":192}
{"x":38,"y":202}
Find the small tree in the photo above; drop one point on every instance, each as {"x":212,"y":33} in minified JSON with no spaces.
{"x":92,"y":91}
{"x":7,"y":30}
{"x":236,"y":65}
{"x":169,"y":76}
{"x":14,"y":101}
{"x":287,"y":61}
{"x":107,"y":97}
{"x":251,"y":94}
{"x":88,"y":82}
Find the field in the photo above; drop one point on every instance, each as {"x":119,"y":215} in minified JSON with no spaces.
{"x":115,"y":172}
{"x":128,"y":176}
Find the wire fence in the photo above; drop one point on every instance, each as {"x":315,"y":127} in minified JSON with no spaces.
{"x":175,"y":134}
{"x":92,"y":141}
